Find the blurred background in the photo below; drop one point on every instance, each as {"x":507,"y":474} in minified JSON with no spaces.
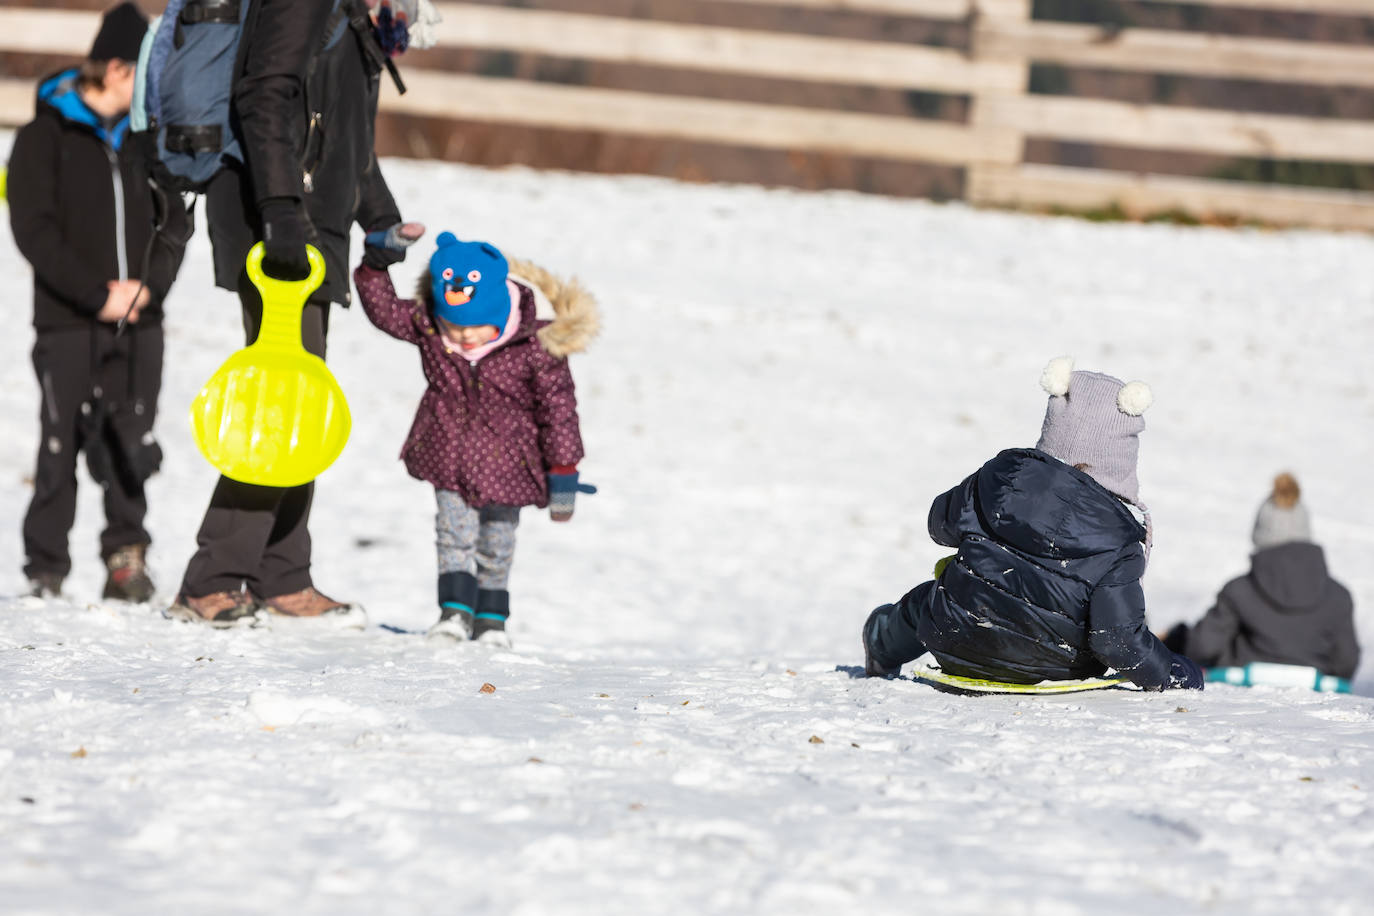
{"x":1224,"y":111}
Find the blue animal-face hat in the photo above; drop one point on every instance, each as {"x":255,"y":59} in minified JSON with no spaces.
{"x":468,"y":280}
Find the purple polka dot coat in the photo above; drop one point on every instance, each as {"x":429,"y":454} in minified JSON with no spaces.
{"x":491,"y":429}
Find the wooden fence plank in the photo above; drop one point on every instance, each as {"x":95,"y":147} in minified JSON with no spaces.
{"x":17,"y":99}
{"x":1345,"y":7}
{"x":926,"y":9}
{"x":1141,"y":195}
{"x":1194,"y":53}
{"x":45,"y":31}
{"x":452,"y":95}
{"x":982,"y":110}
{"x":757,"y":53}
{"x":1198,"y":130}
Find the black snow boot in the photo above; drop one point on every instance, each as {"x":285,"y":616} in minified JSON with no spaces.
{"x":489,"y":624}
{"x":457,"y":604}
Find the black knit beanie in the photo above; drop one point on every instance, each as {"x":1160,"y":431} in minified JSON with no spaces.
{"x":121,"y":34}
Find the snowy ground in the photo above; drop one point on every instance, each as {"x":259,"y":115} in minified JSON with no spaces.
{"x":784,"y":382}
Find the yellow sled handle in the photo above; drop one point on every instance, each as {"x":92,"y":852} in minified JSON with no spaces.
{"x":281,"y":326}
{"x":273,"y":415}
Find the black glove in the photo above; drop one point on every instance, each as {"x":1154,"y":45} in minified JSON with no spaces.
{"x":384,"y":247}
{"x":1184,"y":673}
{"x":283,"y":239}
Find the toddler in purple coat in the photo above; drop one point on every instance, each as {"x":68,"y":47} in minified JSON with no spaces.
{"x":497,"y":427}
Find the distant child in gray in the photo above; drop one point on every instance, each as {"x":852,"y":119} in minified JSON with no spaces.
{"x":1286,"y":609}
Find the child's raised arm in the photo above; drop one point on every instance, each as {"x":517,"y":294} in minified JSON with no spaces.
{"x":395,"y":316}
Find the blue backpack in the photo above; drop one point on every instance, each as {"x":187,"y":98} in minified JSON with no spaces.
{"x":183,"y":89}
{"x":184,"y":84}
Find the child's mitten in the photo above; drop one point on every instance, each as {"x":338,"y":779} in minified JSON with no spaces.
{"x":563,"y":489}
{"x":384,"y":247}
{"x":1185,"y":673}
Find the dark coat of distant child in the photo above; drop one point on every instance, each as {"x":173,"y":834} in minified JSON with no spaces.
{"x":1287,"y":609}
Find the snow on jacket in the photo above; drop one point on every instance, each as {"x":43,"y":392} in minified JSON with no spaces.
{"x":1046,"y":581}
{"x":491,"y":429}
{"x":82,"y":212}
{"x":1286,"y":609}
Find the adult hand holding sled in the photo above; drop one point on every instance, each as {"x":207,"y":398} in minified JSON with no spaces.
{"x":273,"y":414}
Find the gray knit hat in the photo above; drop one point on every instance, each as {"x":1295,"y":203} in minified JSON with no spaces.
{"x":1281,"y":518}
{"x":1092,"y":421}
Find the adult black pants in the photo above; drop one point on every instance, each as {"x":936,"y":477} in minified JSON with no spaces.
{"x":251,"y":535}
{"x":81,"y":369}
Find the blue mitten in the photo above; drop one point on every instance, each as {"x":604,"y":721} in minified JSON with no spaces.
{"x":384,"y":247}
{"x":563,"y":490}
{"x":1184,"y":673}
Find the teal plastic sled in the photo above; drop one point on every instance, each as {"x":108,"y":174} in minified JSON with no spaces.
{"x":953,"y":683}
{"x":1270,"y":674}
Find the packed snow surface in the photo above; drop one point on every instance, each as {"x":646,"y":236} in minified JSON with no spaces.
{"x":784,"y":382}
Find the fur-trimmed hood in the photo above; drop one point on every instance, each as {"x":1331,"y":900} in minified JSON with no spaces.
{"x":569,"y":308}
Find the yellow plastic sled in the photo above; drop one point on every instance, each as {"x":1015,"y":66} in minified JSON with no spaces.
{"x":273,"y":415}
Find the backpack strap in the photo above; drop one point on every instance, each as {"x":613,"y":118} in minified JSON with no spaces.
{"x":226,"y":11}
{"x":360,"y":21}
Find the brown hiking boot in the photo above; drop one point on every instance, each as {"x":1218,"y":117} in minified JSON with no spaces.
{"x":128,"y":579}
{"x":309,"y":602}
{"x":45,"y":585}
{"x":218,"y":609}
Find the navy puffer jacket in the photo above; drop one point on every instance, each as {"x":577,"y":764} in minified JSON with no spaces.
{"x":1046,"y":584}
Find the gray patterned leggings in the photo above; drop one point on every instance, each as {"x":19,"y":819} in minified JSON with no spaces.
{"x":480,"y":542}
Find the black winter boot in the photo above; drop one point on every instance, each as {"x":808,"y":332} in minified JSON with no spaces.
{"x":489,"y":624}
{"x":457,"y":604}
{"x":872,"y":667}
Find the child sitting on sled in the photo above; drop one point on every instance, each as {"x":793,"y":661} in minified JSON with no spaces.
{"x":1046,"y":581}
{"x":497,"y":428}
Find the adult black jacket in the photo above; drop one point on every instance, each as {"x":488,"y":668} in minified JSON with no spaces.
{"x":83,"y":212}
{"x":1046,"y":581}
{"x":1286,"y":609}
{"x":306,"y":101}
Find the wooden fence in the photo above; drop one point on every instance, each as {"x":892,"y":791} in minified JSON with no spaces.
{"x":993,"y":73}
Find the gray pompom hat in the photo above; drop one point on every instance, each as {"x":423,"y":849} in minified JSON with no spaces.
{"x":1281,"y":518}
{"x":1093,"y":421}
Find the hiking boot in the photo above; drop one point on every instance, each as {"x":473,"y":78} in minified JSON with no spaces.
{"x":871,"y":666}
{"x":218,"y":609}
{"x":128,"y":579}
{"x":45,"y":585}
{"x":309,"y":602}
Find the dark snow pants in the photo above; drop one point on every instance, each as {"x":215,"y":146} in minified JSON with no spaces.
{"x":257,"y":536}
{"x":72,"y":364}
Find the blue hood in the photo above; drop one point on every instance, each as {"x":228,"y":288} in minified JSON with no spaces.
{"x":59,"y":93}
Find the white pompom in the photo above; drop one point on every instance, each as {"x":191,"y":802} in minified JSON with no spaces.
{"x":1055,"y":378}
{"x":1134,"y":398}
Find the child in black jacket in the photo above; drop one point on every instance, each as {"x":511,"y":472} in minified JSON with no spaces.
{"x":83,"y":215}
{"x":1046,"y":581}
